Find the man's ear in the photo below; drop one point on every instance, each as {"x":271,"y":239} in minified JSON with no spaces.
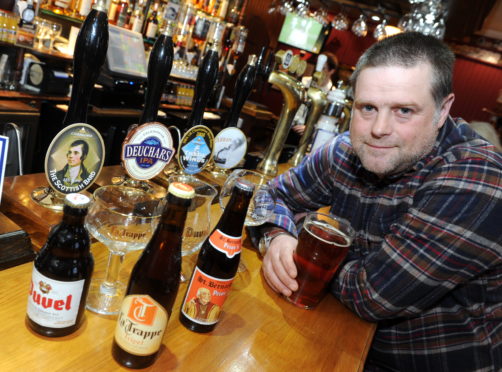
{"x":445,"y":109}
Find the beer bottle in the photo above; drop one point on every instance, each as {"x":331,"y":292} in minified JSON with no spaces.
{"x":153,"y":286}
{"x":217,"y":264}
{"x":61,"y":273}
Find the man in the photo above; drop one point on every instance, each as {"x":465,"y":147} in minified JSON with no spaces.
{"x":201,"y":307}
{"x":326,"y":84}
{"x":74,"y":171}
{"x":423,"y":193}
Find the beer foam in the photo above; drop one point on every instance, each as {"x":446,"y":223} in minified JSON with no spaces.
{"x":330,"y":229}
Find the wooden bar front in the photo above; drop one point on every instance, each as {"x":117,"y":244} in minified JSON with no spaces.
{"x":258,"y":331}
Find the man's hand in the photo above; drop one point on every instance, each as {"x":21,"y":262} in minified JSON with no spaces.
{"x":278,"y":267}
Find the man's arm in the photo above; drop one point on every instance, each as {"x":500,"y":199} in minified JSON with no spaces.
{"x":300,"y":190}
{"x":449,"y":236}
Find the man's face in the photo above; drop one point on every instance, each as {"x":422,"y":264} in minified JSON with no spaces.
{"x":204,"y":297}
{"x":74,"y":156}
{"x":394,"y":119}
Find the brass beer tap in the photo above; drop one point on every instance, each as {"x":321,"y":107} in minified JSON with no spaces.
{"x":293,"y":92}
{"x":318,"y":101}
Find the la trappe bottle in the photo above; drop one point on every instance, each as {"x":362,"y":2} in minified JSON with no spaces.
{"x":153,"y":286}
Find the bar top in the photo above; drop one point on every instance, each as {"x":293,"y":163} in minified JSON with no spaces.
{"x":258,"y":331}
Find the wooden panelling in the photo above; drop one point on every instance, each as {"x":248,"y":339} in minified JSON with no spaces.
{"x":476,"y":86}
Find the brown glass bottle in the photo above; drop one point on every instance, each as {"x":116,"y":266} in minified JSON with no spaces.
{"x":152,"y":24}
{"x":153,"y":286}
{"x":62,"y":273}
{"x":217,"y":264}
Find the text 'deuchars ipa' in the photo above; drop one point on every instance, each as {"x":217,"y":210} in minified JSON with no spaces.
{"x":62,"y":273}
{"x":153,"y":286}
{"x":217,"y":264}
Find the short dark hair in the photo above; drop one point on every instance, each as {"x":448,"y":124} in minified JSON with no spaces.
{"x":408,"y":49}
{"x":85,"y":147}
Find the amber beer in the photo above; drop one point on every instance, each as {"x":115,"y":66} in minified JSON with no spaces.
{"x":153,"y":286}
{"x":62,"y":273}
{"x":217,"y":264}
{"x":323,"y":244}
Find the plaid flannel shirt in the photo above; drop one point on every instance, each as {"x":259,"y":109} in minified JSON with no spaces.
{"x":426,"y":263}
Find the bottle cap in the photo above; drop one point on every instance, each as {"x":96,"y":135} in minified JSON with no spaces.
{"x":76,"y":200}
{"x":181,"y":190}
{"x":244,"y":184}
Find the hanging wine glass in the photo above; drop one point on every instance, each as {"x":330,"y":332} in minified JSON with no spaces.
{"x":405,"y":23}
{"x":360,"y":28}
{"x":340,"y":22}
{"x":380,"y":32}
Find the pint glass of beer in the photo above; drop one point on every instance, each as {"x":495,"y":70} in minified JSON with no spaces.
{"x":323,"y":244}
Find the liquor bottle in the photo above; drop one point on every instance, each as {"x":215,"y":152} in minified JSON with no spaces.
{"x":137,"y":18}
{"x":121,"y":13}
{"x":217,"y":264}
{"x":152,"y":24}
{"x":88,"y":57}
{"x":243,"y":87}
{"x":153,"y":286}
{"x":112,"y":11}
{"x":159,"y":68}
{"x":62,"y":273}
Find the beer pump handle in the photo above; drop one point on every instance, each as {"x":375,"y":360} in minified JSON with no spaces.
{"x":206,"y":78}
{"x":243,"y":87}
{"x":159,"y":69}
{"x":88,"y":57}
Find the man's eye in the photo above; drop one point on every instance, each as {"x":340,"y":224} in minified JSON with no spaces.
{"x":367,"y":108}
{"x":405,"y":111}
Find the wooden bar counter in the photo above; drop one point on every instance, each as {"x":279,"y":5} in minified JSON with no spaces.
{"x":258,"y":331}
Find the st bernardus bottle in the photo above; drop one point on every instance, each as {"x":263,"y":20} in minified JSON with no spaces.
{"x":61,"y":274}
{"x":153,"y":286}
{"x":217,"y":264}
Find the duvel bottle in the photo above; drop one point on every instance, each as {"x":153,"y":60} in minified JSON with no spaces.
{"x":61,"y":274}
{"x":153,"y":286}
{"x":217,"y":264}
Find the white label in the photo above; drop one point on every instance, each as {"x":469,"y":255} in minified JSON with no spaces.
{"x":151,"y":30}
{"x":53,"y":303}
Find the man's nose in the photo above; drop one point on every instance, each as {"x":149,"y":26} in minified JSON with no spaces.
{"x":382,"y":126}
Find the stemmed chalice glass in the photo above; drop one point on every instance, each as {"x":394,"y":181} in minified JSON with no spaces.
{"x":198,"y":220}
{"x":123,"y":219}
{"x":262,"y":202}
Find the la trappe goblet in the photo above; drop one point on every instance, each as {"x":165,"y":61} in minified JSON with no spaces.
{"x":198,"y":220}
{"x":123,"y":219}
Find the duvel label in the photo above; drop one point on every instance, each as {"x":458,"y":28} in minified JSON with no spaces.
{"x":75,"y":158}
{"x":147,"y":150}
{"x":195,"y":149}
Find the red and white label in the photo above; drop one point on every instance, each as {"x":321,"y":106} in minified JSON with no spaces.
{"x":53,"y":303}
{"x":205,"y":297}
{"x":230,"y":245}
